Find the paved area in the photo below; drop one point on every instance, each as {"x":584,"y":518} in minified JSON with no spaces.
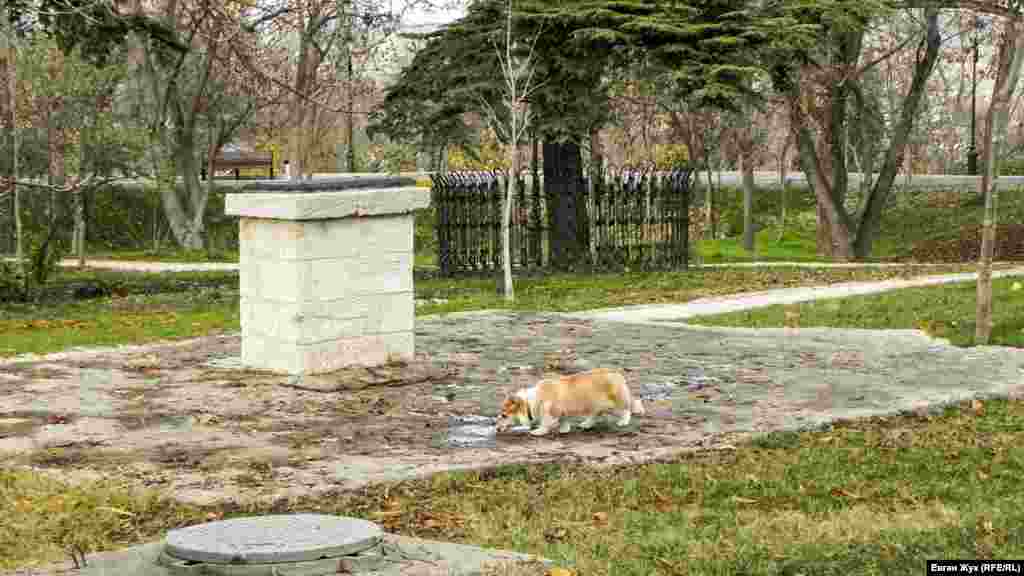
{"x":749,"y":300}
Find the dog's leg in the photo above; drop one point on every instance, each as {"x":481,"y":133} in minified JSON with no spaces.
{"x":588,"y":423}
{"x":625,"y":417}
{"x":565,"y":427}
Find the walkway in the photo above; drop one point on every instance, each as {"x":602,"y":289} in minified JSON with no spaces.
{"x":746,"y":301}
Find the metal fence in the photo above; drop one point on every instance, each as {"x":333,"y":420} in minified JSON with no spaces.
{"x":634,"y":220}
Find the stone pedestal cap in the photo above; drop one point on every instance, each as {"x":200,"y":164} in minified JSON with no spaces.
{"x":328,"y":198}
{"x":333,"y":184}
{"x":269,"y":539}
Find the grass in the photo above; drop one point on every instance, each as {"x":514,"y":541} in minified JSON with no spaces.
{"x":795,"y":246}
{"x":141,"y":307}
{"x":875,"y":496}
{"x":171,"y":254}
{"x":945,"y":311}
{"x":146,"y":307}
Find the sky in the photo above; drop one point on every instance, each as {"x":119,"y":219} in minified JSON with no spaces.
{"x":419,"y":17}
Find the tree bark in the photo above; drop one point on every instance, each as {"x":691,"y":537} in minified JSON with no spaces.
{"x":563,"y":173}
{"x":11,"y":118}
{"x":872,"y":211}
{"x":746,"y":146}
{"x":783,"y":168}
{"x":1011,"y":55}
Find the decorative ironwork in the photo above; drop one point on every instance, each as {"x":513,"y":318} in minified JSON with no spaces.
{"x":635,"y":220}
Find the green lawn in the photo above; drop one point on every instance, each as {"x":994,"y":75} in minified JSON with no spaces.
{"x":877,"y":496}
{"x":946,"y":311}
{"x":795,"y":246}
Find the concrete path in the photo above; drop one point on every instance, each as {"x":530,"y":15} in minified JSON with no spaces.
{"x":749,"y":300}
{"x":137,"y":266}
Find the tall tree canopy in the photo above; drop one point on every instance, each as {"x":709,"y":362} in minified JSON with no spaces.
{"x":708,"y":50}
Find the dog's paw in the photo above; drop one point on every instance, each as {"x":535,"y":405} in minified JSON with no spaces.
{"x":539,"y":432}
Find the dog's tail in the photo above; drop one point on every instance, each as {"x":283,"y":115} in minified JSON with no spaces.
{"x":638,"y":407}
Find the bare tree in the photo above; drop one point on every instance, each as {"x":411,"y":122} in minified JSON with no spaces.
{"x":1011,"y":55}
{"x":9,"y":56}
{"x":517,"y":73}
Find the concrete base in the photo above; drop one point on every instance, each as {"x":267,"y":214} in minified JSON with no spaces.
{"x":394,"y":556}
{"x":326,"y":273}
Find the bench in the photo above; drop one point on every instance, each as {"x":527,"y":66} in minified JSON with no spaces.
{"x":235,"y":161}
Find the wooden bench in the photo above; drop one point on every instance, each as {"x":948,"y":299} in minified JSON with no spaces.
{"x":235,"y":161}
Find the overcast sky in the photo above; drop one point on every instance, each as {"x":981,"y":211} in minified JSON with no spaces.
{"x":419,"y":17}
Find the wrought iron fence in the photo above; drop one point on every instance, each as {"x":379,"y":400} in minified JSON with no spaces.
{"x":635,"y":220}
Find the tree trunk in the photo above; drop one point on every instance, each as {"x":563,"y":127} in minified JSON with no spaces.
{"x":1011,"y":55}
{"x":55,"y":137}
{"x":11,"y":81}
{"x":596,"y":173}
{"x":747,"y":170}
{"x":834,"y":215}
{"x":709,"y":201}
{"x":783,"y":167}
{"x":350,"y":114}
{"x":868,"y":226}
{"x":506,"y":223}
{"x":79,"y":209}
{"x":563,"y":174}
{"x":187,"y":228}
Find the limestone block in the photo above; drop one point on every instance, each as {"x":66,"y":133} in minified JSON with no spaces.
{"x":327,"y":205}
{"x":317,"y":239}
{"x":319,"y":357}
{"x":309,"y":322}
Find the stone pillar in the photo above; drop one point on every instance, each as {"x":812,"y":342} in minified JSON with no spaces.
{"x":326,"y":272}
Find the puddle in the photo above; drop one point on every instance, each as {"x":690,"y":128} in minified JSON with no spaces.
{"x":694,"y":379}
{"x":467,"y":432}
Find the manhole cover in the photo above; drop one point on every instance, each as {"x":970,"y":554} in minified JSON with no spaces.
{"x":264,"y":539}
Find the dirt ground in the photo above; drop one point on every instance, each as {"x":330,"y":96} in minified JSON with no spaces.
{"x":165,"y":417}
{"x":186,"y":418}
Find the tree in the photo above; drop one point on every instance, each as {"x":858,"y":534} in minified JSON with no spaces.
{"x":76,"y":138}
{"x":817,"y":85}
{"x":706,"y":52}
{"x":518,"y":76}
{"x":9,"y":104}
{"x":196,"y":94}
{"x":1011,"y":56}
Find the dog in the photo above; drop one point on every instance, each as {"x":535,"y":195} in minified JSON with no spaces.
{"x":586,"y":394}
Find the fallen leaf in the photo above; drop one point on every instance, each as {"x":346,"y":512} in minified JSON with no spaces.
{"x":977,"y":406}
{"x":555,"y":534}
{"x":744,"y":500}
{"x":600,"y":517}
{"x":559,"y":572}
{"x":840,"y":493}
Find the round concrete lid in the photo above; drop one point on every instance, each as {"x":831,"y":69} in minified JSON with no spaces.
{"x":265,"y":539}
{"x":330,"y":184}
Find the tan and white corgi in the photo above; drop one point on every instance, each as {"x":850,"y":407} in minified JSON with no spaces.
{"x":586,"y":394}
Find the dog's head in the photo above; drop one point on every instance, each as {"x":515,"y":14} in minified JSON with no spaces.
{"x":514,"y":410}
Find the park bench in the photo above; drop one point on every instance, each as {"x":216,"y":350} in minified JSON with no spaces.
{"x":235,"y":161}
